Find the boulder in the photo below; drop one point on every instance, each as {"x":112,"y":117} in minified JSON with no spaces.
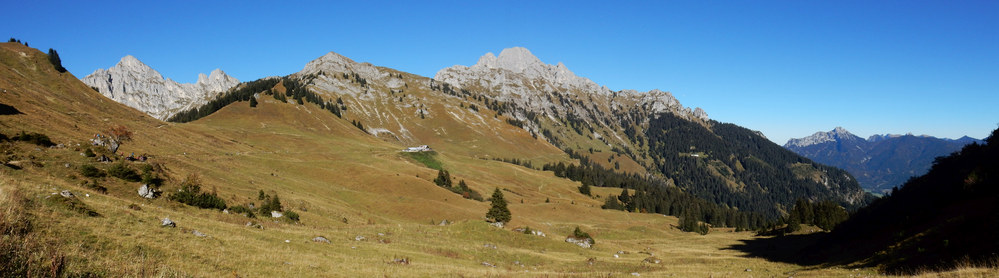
{"x":582,"y":242}
{"x":497,"y":224}
{"x":320,"y":239}
{"x":359,"y":238}
{"x":148,"y":192}
{"x":197,"y":233}
{"x":276,"y":214}
{"x":66,"y":193}
{"x":443,"y":223}
{"x":168,"y":223}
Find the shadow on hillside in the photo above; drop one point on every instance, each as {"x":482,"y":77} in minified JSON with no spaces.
{"x":796,"y":249}
{"x":8,"y":110}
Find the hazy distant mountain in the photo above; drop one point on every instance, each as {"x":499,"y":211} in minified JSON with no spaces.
{"x":879,"y":162}
{"x":139,"y":86}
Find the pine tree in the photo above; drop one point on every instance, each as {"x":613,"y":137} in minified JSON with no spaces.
{"x":585,"y":189}
{"x":498,"y":212}
{"x":56,"y":62}
{"x":253,"y":101}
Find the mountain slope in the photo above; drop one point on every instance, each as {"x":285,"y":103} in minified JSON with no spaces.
{"x":947,"y":218}
{"x":651,"y":128}
{"x":139,"y":86}
{"x":880,"y":162}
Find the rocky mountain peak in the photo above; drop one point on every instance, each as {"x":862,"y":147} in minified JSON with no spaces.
{"x":139,"y":86}
{"x":518,"y":59}
{"x":837,"y":134}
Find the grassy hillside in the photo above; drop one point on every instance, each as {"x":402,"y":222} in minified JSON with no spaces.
{"x":344,"y":183}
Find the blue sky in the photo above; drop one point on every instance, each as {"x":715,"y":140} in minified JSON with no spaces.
{"x":787,"y":68}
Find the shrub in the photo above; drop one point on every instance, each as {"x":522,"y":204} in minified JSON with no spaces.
{"x":291,"y":215}
{"x":190,"y":194}
{"x":242,"y":210}
{"x":122,"y":171}
{"x":90,"y":171}
{"x":580,"y":234}
{"x":89,"y":153}
{"x":93,"y":185}
{"x":151,"y":178}
{"x":34,"y":138}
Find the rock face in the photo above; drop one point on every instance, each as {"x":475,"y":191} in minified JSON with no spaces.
{"x":522,"y":78}
{"x":137,"y":85}
{"x":879,"y":162}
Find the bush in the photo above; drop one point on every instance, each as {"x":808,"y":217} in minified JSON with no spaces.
{"x":291,"y":215}
{"x":122,"y":171}
{"x":580,"y":234}
{"x":151,"y":178}
{"x":190,"y":194}
{"x":89,"y":153}
{"x":93,"y":185}
{"x":242,"y":210}
{"x":90,"y":171}
{"x":34,"y":138}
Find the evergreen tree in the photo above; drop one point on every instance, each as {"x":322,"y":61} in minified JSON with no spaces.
{"x":443,"y":179}
{"x":56,"y":62}
{"x":498,"y":212}
{"x":253,"y":101}
{"x":585,"y":189}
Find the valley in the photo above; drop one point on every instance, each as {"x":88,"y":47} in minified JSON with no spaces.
{"x":379,"y":209}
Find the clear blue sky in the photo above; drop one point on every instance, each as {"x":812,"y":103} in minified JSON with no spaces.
{"x":787,"y":68}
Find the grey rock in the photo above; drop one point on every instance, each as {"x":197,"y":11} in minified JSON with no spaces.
{"x":67,"y":194}
{"x":360,"y":238}
{"x":320,"y":239}
{"x":146,"y":191}
{"x":581,"y":242}
{"x":276,"y":214}
{"x":167,"y":222}
{"x":197,"y":233}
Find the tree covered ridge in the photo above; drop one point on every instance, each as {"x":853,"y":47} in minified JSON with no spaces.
{"x":736,"y":167}
{"x":947,"y":217}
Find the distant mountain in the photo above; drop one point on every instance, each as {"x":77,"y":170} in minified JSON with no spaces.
{"x":879,"y":162}
{"x":139,"y":86}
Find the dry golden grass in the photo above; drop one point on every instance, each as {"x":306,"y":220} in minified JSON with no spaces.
{"x":344,"y":183}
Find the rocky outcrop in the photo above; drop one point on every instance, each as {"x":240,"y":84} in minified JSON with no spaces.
{"x":139,"y":86}
{"x":581,"y":242}
{"x":522,"y":78}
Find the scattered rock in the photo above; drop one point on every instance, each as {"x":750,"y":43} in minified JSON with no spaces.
{"x":616,"y":256}
{"x":538,"y":233}
{"x":276,"y":214}
{"x":443,"y":223}
{"x":148,"y":192}
{"x":591,"y":261}
{"x":254,"y":225}
{"x":225,"y":211}
{"x":652,"y":260}
{"x":749,"y":270}
{"x":168,"y":223}
{"x":489,"y":245}
{"x":320,"y":239}
{"x":497,"y":224}
{"x":488,"y":264}
{"x":582,"y":242}
{"x":635,"y":274}
{"x":197,"y":233}
{"x":67,"y":194}
{"x":67,"y":165}
{"x":287,"y":241}
{"x":404,"y":261}
{"x":359,"y":238}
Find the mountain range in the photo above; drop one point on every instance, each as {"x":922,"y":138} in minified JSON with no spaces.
{"x":572,"y":159}
{"x":879,"y":162}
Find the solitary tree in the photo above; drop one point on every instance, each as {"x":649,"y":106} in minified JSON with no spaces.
{"x":56,"y":62}
{"x":116,"y":135}
{"x":253,"y":101}
{"x":498,"y":211}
